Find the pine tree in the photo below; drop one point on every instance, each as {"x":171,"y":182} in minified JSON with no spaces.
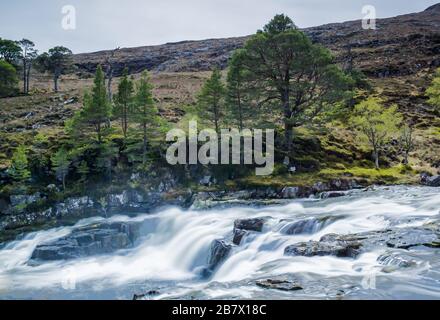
{"x":97,"y":109}
{"x":19,"y":169}
{"x":124,"y":101}
{"x":60,"y":165}
{"x":238,"y":98}
{"x":145,"y":112}
{"x":211,"y":100}
{"x":291,"y":75}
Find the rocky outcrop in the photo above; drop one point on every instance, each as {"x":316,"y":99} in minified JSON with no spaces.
{"x":249,"y":224}
{"x":219,"y":252}
{"x":89,"y":241}
{"x":350,"y":246}
{"x":401,"y":46}
{"x":431,"y":181}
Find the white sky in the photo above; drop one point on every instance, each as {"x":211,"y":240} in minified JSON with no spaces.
{"x":106,"y":24}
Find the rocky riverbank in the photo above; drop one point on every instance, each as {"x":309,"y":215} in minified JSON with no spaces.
{"x":17,"y":215}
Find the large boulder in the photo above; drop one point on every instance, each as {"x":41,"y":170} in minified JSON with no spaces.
{"x":89,"y":241}
{"x":318,"y":248}
{"x":220,"y":251}
{"x":433,"y":181}
{"x":250,"y":224}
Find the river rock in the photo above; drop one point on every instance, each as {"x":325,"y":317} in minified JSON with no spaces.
{"x":239,"y":234}
{"x":308,"y":226}
{"x":318,"y":248}
{"x":397,"y":260}
{"x":279,"y":284}
{"x":250,"y":224}
{"x":290,"y":193}
{"x":332,"y":194}
{"x":219,"y":252}
{"x":88,"y":241}
{"x":433,"y":181}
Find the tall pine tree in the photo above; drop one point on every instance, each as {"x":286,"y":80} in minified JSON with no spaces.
{"x":124,"y":100}
{"x":211,"y":100}
{"x":145,"y":112}
{"x":97,"y":109}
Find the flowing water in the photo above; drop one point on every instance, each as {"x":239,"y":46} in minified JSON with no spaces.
{"x":175,"y":245}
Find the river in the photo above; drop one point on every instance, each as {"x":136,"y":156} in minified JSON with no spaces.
{"x":174,"y":245}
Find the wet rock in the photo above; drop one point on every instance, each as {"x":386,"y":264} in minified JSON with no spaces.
{"x":279,"y":284}
{"x":219,"y":252}
{"x":318,"y":248}
{"x":397,"y":260}
{"x":431,"y":181}
{"x":308,"y":226}
{"x":250,"y":224}
{"x":290,"y":193}
{"x":238,"y":236}
{"x":409,"y":238}
{"x":88,"y":241}
{"x":147,"y":295}
{"x":332,"y":194}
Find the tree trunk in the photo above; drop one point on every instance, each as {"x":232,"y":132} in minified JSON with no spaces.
{"x":405,"y":160}
{"x":376,"y":159}
{"x":98,"y":132}
{"x":144,"y":147}
{"x":55,"y":83}
{"x":28,"y":76}
{"x":24,"y":76}
{"x":288,"y":127}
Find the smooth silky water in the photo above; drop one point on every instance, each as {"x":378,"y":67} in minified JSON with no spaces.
{"x":175,"y":244}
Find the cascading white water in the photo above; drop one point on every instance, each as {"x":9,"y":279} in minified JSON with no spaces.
{"x":175,"y":244}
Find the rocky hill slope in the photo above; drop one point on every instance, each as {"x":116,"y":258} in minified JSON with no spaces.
{"x":399,"y":46}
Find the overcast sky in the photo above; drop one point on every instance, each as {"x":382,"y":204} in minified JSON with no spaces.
{"x":106,"y":24}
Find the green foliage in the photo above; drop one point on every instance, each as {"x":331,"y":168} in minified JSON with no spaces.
{"x":19,"y":170}
{"x":8,"y":79}
{"x":56,"y":61}
{"x":96,"y":110}
{"x":240,"y":109}
{"x":376,"y":123}
{"x":433,"y":91}
{"x":60,"y":165}
{"x":124,"y":100}
{"x":292,"y":77}
{"x":211,"y":100}
{"x":10,"y":51}
{"x":145,"y":112}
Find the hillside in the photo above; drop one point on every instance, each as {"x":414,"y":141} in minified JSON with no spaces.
{"x":399,"y":59}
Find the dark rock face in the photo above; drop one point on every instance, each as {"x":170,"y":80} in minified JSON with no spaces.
{"x":219,"y":252}
{"x":433,"y":181}
{"x":279,"y":284}
{"x":250,"y":225}
{"x":238,"y":236}
{"x":89,"y":241}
